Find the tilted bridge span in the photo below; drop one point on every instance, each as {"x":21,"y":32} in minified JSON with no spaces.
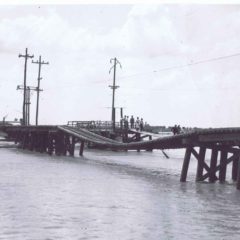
{"x":224,"y":144}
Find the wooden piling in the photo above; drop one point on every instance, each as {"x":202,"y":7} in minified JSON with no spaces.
{"x":213,"y":165}
{"x":64,"y":145}
{"x":200,"y":165}
{"x":235,"y":169}
{"x":72,"y":147}
{"x":81,"y":148}
{"x":238,"y":175}
{"x":223,"y":164}
{"x":150,"y":148}
{"x":138,"y":139}
{"x":186,"y":164}
{"x":31,"y":145}
{"x":50,"y":144}
{"x":57,"y":144}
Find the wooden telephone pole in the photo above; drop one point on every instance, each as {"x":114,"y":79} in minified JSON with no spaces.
{"x":26,"y":56}
{"x":28,"y":100}
{"x":40,"y":63}
{"x":114,"y":87}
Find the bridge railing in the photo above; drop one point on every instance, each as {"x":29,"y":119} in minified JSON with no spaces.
{"x":94,"y":124}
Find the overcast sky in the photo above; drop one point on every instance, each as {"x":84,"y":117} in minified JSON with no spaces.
{"x":79,"y":41}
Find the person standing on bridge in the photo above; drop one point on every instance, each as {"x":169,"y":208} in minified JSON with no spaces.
{"x":132,"y":121}
{"x":141,"y":125}
{"x":121,"y":122}
{"x":125,"y":122}
{"x":137,"y":125}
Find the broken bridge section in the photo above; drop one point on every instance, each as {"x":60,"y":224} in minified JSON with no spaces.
{"x":222,"y":142}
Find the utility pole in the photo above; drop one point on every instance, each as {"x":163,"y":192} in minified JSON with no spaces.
{"x":114,"y":87}
{"x":26,"y":56}
{"x":40,"y":63}
{"x":28,"y":105}
{"x":28,"y":102}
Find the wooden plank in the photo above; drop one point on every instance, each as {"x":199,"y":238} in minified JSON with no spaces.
{"x":219,"y":137}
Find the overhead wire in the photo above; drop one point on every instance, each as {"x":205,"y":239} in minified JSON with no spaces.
{"x":184,"y":65}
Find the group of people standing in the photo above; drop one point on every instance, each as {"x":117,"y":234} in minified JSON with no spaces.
{"x":138,"y":124}
{"x":176,"y":129}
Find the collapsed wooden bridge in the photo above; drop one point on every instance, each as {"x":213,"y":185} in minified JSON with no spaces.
{"x":224,"y":144}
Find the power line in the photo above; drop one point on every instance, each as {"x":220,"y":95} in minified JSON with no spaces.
{"x":185,"y":65}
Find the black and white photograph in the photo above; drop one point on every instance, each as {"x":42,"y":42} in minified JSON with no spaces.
{"x":119,"y":120}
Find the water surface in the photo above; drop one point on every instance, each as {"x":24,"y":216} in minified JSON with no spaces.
{"x":111,"y":195}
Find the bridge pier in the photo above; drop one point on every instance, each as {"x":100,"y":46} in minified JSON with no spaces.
{"x":238,"y":174}
{"x":72,"y":146}
{"x":223,"y":164}
{"x":50,"y":147}
{"x":186,"y":164}
{"x":213,"y":164}
{"x":200,"y":165}
{"x":150,"y":148}
{"x":214,"y":168}
{"x":235,"y":169}
{"x":81,"y":148}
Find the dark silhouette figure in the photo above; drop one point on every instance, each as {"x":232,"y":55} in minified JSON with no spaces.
{"x":175,"y":130}
{"x":178,"y":129}
{"x":125,"y":122}
{"x":141,"y":124}
{"x":132,"y":122}
{"x":137,"y":125}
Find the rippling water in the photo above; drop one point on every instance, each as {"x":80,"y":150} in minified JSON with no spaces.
{"x":111,"y":195}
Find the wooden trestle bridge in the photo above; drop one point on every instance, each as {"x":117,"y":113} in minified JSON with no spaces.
{"x":224,"y":144}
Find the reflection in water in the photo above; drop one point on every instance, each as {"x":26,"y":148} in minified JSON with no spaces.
{"x":111,"y":195}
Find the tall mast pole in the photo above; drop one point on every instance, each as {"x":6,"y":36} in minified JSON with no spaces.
{"x":40,"y":63}
{"x":114,"y":87}
{"x":26,"y":56}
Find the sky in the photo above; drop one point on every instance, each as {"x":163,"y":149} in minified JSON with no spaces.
{"x":180,"y":62}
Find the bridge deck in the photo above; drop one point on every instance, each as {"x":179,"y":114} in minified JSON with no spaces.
{"x":62,"y":140}
{"x":216,"y":136}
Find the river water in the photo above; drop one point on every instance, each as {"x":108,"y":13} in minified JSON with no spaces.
{"x":111,"y":195}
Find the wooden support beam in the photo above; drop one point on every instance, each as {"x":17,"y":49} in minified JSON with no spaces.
{"x":186,"y":164}
{"x":45,"y":141}
{"x":235,"y":169}
{"x":213,"y":163}
{"x":72,"y":146}
{"x":196,"y":155}
{"x":219,"y":137}
{"x":149,"y":149}
{"x":50,"y":147}
{"x":64,"y":152}
{"x":31,"y":145}
{"x":25,"y":140}
{"x":81,"y":148}
{"x":201,"y":161}
{"x":57,"y":144}
{"x":223,"y":168}
{"x":238,"y":174}
{"x":138,"y":139}
{"x":205,"y":176}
